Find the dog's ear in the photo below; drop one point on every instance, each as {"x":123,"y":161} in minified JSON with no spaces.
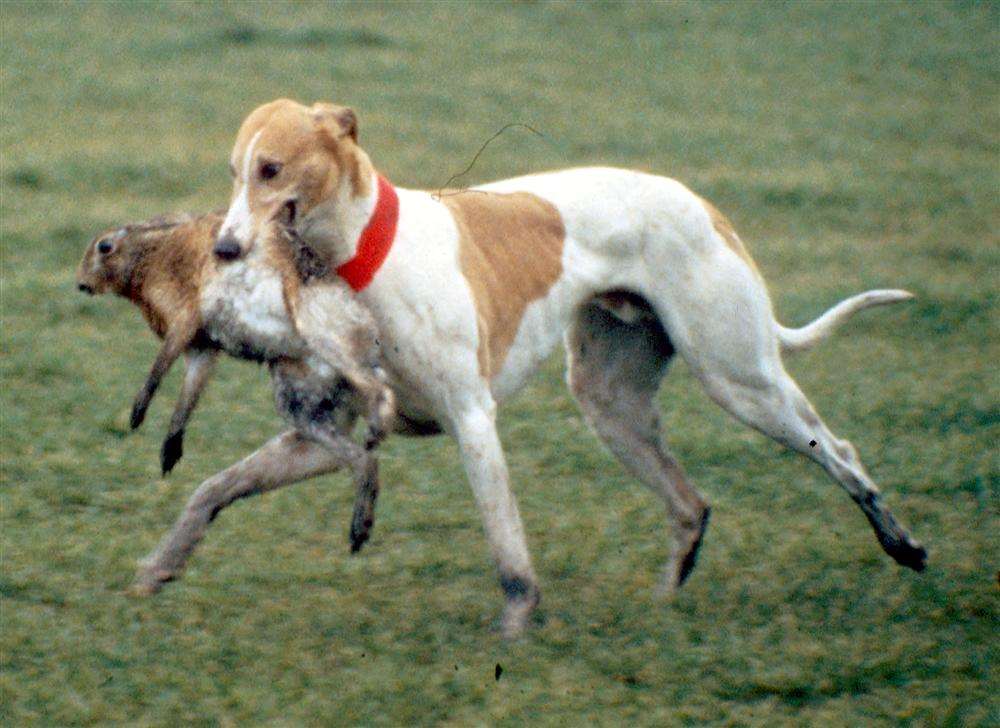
{"x":337,"y":121}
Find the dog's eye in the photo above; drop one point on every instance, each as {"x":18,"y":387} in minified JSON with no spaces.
{"x":105,"y":246}
{"x":269,"y":170}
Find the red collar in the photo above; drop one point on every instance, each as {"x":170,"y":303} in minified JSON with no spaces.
{"x":375,"y":241}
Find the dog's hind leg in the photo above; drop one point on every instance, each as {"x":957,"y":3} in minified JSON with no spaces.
{"x":286,"y":459}
{"x":727,"y":334}
{"x":776,"y":407}
{"x":615,"y":369}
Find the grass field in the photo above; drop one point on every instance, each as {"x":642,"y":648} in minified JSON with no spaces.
{"x":853,"y":145}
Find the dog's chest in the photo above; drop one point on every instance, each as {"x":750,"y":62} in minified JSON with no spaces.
{"x":244,"y":312}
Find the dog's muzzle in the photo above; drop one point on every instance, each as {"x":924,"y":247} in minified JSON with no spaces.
{"x":227,"y":248}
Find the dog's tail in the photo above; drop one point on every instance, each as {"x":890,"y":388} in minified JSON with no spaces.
{"x":800,"y":339}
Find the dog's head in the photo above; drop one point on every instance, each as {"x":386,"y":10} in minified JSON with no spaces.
{"x":290,"y":163}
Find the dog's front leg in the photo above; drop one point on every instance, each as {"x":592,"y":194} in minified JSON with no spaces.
{"x":482,"y":455}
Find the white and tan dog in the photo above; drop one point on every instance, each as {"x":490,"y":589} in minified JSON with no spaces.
{"x":472,"y":290}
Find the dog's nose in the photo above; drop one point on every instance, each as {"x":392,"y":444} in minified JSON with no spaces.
{"x":227,"y":248}
{"x":85,"y":288}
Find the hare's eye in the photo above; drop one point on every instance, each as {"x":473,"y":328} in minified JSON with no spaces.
{"x":269,"y":170}
{"x":105,"y":246}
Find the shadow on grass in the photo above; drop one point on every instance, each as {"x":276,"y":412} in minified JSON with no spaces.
{"x":797,"y":692}
{"x":85,"y":175}
{"x":29,"y":593}
{"x":251,"y":36}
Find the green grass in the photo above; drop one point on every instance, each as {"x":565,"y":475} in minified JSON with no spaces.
{"x":853,"y":145}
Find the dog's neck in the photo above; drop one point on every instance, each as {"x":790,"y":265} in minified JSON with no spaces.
{"x":333,"y":227}
{"x":354,"y":233}
{"x":373,"y":244}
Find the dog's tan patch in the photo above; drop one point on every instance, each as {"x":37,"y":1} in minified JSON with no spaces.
{"x":510,"y":251}
{"x":725,"y":228}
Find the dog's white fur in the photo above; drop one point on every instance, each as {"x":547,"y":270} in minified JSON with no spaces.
{"x":677,"y":281}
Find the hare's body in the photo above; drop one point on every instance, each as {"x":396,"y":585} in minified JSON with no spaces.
{"x":164,"y":266}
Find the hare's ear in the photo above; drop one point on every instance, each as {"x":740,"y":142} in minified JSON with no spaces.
{"x":337,"y":121}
